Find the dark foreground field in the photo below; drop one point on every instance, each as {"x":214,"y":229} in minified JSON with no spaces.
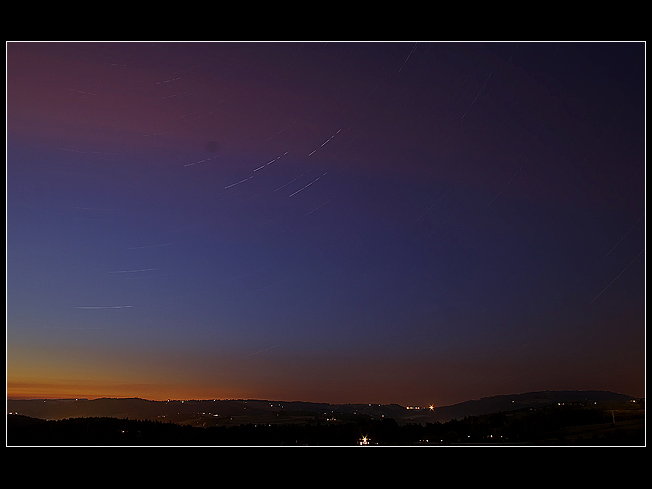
{"x":611,"y":425}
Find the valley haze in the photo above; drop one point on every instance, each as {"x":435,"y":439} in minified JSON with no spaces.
{"x":243,"y":410}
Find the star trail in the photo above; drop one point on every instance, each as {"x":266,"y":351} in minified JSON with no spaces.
{"x":388,"y":222}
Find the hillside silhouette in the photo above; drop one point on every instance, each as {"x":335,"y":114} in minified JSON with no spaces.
{"x":544,"y":418}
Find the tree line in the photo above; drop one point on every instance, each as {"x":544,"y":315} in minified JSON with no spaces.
{"x":547,"y":426}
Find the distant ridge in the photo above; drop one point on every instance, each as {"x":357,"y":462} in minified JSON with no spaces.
{"x":514,"y":402}
{"x":243,"y":409}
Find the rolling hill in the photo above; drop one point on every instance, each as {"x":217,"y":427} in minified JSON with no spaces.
{"x":547,"y":418}
{"x":209,"y":412}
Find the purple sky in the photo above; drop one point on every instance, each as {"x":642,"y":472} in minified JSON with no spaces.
{"x":404,"y":222}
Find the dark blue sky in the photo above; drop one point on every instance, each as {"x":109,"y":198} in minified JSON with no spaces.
{"x":405,"y":222}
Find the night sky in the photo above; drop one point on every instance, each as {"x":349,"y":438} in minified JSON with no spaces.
{"x":389,"y":222}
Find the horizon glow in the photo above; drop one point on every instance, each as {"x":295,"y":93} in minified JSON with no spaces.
{"x":413,"y":223}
